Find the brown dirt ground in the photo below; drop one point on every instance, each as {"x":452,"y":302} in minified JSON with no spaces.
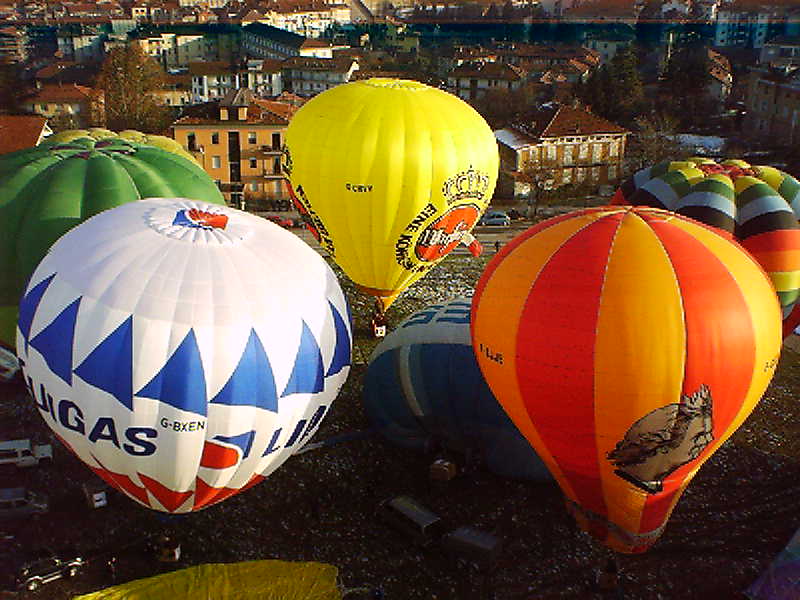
{"x":322,"y":505}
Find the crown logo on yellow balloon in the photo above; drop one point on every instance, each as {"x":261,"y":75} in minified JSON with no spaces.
{"x":468,"y":184}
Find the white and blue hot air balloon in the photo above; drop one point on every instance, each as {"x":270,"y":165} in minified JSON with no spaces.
{"x":423,"y":386}
{"x":183,"y":350}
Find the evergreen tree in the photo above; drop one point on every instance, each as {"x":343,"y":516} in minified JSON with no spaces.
{"x":128,"y":79}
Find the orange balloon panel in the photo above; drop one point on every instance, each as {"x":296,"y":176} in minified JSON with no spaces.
{"x":626,"y":344}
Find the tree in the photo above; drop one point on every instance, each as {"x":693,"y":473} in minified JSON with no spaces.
{"x":541,"y":181}
{"x":685,"y":83}
{"x":654,"y":141}
{"x":128,"y":79}
{"x":10,"y":89}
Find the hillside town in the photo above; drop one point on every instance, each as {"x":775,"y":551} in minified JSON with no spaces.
{"x":580,"y":93}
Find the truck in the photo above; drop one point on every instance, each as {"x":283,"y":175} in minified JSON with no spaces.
{"x":24,"y":454}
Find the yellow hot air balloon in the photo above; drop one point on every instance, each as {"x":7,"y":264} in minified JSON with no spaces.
{"x":390,"y":175}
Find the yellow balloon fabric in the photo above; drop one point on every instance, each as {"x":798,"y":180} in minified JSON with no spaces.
{"x":390,"y":175}
{"x":253,"y":580}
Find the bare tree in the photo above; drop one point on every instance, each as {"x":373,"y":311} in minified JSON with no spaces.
{"x":655,"y":141}
{"x":542,"y":180}
{"x":128,"y":79}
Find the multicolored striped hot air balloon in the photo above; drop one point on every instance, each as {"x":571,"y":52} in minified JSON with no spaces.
{"x":626,"y":344}
{"x":757,"y":205}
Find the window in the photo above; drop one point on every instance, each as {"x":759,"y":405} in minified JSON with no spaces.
{"x":251,"y":137}
{"x":215,"y":162}
{"x":276,"y":166}
{"x":215,"y":138}
{"x":191,"y":141}
{"x":551,"y":152}
{"x":276,"y":141}
{"x":253,"y":163}
{"x":583,"y":151}
{"x":568,"y":156}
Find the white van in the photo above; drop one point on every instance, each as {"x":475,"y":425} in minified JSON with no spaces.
{"x":23,"y":454}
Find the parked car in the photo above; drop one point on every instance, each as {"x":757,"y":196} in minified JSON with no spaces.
{"x":47,"y":566}
{"x":514,"y":214}
{"x":23,"y":454}
{"x":282,"y":221}
{"x":21,"y":502}
{"x":495,"y":218}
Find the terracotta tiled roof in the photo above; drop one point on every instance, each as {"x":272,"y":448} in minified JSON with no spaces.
{"x":563,"y":120}
{"x":311,"y":63}
{"x":315,"y":43}
{"x":62,"y":93}
{"x":259,"y":112}
{"x":210,"y":68}
{"x":20,"y":132}
{"x":570,"y":120}
{"x":488,"y":70}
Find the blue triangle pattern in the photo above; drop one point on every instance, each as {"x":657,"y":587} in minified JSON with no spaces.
{"x":55,"y":342}
{"x":243,"y":441}
{"x":307,"y":375}
{"x":341,"y":354}
{"x":252,"y":383}
{"x":109,"y":366}
{"x":28,"y":306}
{"x":181,"y":382}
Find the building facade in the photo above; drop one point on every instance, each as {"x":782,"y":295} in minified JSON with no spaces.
{"x":772,"y":100}
{"x":238,"y":141}
{"x":472,"y":81}
{"x":562,"y":145}
{"x":307,"y":76}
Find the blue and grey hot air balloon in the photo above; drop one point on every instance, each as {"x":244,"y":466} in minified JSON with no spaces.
{"x":423,"y":385}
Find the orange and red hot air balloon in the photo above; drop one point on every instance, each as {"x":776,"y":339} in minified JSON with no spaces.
{"x":626,"y":344}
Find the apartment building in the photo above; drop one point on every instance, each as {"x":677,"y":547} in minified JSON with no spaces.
{"x":308,"y":76}
{"x":773,"y":106}
{"x":260,"y":40}
{"x":238,"y":139}
{"x":569,"y":142}
{"x":472,"y":81}
{"x":82,"y":106}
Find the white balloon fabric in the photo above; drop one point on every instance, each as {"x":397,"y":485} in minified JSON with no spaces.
{"x":183,"y":350}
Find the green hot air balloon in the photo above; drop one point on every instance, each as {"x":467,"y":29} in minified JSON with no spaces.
{"x":53,"y":187}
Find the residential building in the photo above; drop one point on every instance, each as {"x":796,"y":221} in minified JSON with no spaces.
{"x":309,"y":18}
{"x":213,"y":80}
{"x":749,"y":26}
{"x":471,"y":81}
{"x":607,"y":46}
{"x":177,"y":90}
{"x":308,"y":76}
{"x":73,"y":104}
{"x":260,"y":40}
{"x":721,"y":80}
{"x":13,"y":44}
{"x":238,"y":141}
{"x":781,"y":51}
{"x":566,"y":144}
{"x":84,"y":41}
{"x":18,"y":132}
{"x":772,"y":101}
{"x":176,"y":45}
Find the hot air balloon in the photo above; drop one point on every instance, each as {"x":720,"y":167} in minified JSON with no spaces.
{"x":626,"y":344}
{"x":132,"y":135}
{"x":183,"y":350}
{"x":423,"y":387}
{"x":389,"y":175}
{"x":51,"y":188}
{"x":758,"y":205}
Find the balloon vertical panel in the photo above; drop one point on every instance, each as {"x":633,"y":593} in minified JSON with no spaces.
{"x":641,"y":340}
{"x":188,"y":353}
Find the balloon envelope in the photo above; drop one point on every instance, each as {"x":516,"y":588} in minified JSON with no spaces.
{"x":423,"y":385}
{"x":390,"y":175}
{"x":758,"y":205}
{"x":49,"y":189}
{"x":627,"y":344}
{"x":183,"y":350}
